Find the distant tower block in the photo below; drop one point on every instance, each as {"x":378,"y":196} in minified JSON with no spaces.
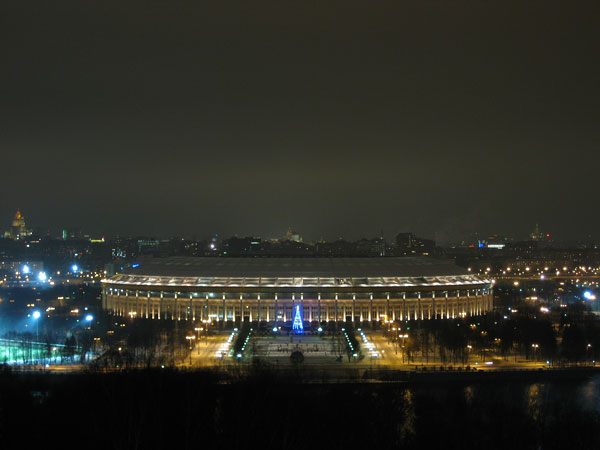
{"x":18,"y":229}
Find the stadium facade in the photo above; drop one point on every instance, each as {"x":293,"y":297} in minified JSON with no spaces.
{"x":238,"y":290}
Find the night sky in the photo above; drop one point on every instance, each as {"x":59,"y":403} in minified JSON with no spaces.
{"x":335,"y":118}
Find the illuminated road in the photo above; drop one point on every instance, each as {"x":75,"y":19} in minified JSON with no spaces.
{"x":205,"y":350}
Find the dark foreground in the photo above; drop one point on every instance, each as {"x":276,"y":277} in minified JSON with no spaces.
{"x":184,"y":410}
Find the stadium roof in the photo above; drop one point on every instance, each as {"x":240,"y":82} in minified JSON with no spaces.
{"x":218,"y":272}
{"x":297,"y":267}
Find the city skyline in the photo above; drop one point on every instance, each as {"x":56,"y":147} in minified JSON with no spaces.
{"x":290,"y":234}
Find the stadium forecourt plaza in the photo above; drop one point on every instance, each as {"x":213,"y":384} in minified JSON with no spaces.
{"x":228,"y":291}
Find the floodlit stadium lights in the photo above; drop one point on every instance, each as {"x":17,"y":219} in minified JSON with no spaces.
{"x":125,"y":279}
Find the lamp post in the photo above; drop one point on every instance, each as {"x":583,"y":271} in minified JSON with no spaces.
{"x":206,"y":323}
{"x":403,"y":336}
{"x":36,"y":316}
{"x":587,"y":349}
{"x":191,"y":339}
{"x":535,"y":347}
{"x":198,"y":330}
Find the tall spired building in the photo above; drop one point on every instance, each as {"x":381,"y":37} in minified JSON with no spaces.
{"x":18,"y":229}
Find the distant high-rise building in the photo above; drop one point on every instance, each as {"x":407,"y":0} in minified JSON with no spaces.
{"x":404,"y":241}
{"x":293,"y":236}
{"x":409,"y":244}
{"x":537,"y":234}
{"x":18,"y":230}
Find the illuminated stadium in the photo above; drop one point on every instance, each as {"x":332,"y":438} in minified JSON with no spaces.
{"x":234,"y":290}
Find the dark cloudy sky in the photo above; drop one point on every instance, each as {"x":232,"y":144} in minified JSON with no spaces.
{"x":337,"y":118}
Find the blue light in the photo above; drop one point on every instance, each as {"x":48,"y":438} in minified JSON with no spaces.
{"x":298,"y":326}
{"x":588,"y":295}
{"x":25,"y":269}
{"x":274,"y":329}
{"x":36,"y":315}
{"x":74,"y":268}
{"x":42,"y":276}
{"x":89,"y":318}
{"x":320,"y":329}
{"x":135,"y":265}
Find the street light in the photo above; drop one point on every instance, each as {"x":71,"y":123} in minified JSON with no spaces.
{"x":191,"y":339}
{"x":198,"y":330}
{"x":587,"y":349}
{"x":535,"y":347}
{"x":206,"y":323}
{"x":36,"y":316}
{"x":403,"y":336}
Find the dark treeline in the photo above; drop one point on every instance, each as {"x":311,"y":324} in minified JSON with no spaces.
{"x":169,"y":409}
{"x":570,"y":339}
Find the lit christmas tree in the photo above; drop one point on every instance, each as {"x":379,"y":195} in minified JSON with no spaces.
{"x":297,"y":326}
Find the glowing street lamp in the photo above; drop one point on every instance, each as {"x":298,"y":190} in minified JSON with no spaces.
{"x":535,"y":347}
{"x":36,"y":315}
{"x":191,"y":339}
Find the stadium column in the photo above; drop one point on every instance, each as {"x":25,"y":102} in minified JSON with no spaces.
{"x":138,"y":310}
{"x":387,"y":308}
{"x":403,"y":312}
{"x":275,"y":312}
{"x":258,"y":308}
{"x":148,"y":307}
{"x":191,"y":307}
{"x":241,"y":310}
{"x":224,"y":310}
{"x":205,"y":316}
{"x":469,"y":304}
{"x":432,"y":310}
{"x":371,"y":308}
{"x":481,"y":300}
{"x":232,"y":311}
{"x":126,"y":309}
{"x":446,"y":304}
{"x":353,"y":306}
{"x":319,"y":306}
{"x":336,"y":308}
{"x":160,"y":304}
{"x":175,"y":314}
{"x":419,"y":305}
{"x":292,"y":310}
{"x":268,"y":312}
